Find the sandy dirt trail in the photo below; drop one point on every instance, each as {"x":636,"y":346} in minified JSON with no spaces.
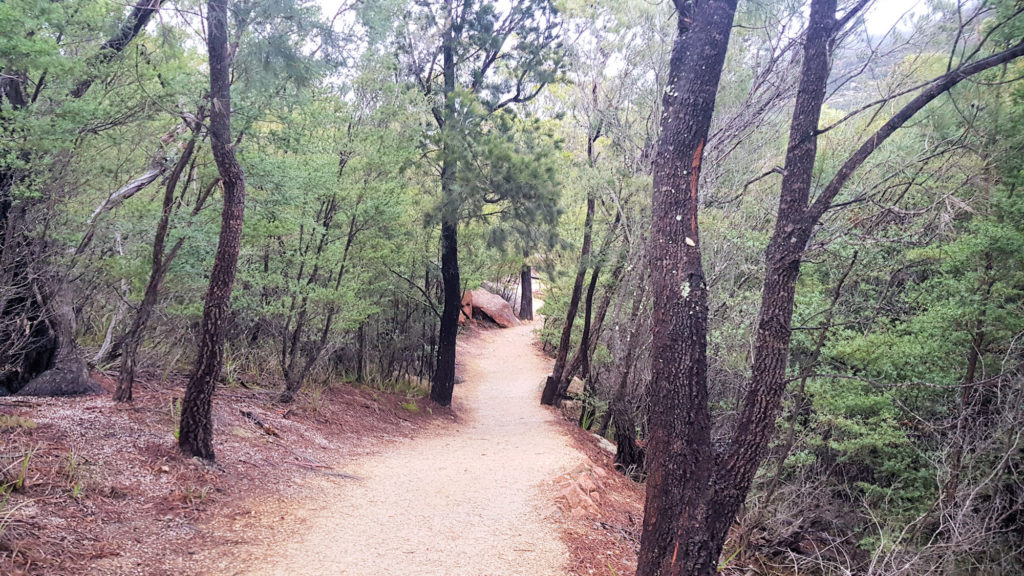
{"x":467,"y":499}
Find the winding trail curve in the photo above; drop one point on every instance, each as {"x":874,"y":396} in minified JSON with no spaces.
{"x":466,"y":499}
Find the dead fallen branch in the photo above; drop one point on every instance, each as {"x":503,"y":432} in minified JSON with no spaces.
{"x":266,"y":428}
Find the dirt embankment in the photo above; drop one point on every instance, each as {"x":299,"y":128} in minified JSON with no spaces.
{"x":100,"y":488}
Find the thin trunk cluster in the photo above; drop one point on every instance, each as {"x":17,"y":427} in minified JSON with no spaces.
{"x":298,"y":356}
{"x":161,"y":263}
{"x":553,"y":384}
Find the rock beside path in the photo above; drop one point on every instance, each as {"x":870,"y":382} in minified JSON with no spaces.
{"x":491,"y":305}
{"x":579,"y":491}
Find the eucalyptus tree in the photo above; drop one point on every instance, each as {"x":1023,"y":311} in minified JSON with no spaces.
{"x":474,"y":60}
{"x":195,"y":436}
{"x":695,"y":486}
{"x":269,"y":44}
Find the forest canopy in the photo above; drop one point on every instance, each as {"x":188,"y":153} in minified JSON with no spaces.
{"x":781,"y":243}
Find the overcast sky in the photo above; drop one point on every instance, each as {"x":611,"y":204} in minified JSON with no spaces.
{"x":880,"y":18}
{"x":884,"y":13}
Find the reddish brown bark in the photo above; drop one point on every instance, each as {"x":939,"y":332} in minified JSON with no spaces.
{"x":675,"y":540}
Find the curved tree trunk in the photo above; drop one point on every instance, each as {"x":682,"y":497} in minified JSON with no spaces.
{"x":68,"y":375}
{"x":53,"y":364}
{"x":160,"y":263}
{"x":196,"y":431}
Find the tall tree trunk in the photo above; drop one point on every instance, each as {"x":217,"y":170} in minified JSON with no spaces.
{"x":443,"y":382}
{"x":675,"y":540}
{"x":800,"y":398}
{"x":196,"y":430}
{"x":550,"y":395}
{"x":763,"y":399}
{"x":580,"y":362}
{"x":526,"y":292}
{"x":361,"y":353}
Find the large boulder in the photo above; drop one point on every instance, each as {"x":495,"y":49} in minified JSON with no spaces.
{"x":490,"y":305}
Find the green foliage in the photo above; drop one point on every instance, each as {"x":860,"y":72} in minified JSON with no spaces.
{"x":14,"y":474}
{"x":342,"y":130}
{"x":14,"y":421}
{"x":174,"y":411}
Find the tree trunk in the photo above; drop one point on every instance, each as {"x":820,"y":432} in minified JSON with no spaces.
{"x":800,"y":397}
{"x":361,"y":353}
{"x":629,"y":457}
{"x":763,"y":399}
{"x":158,"y":269}
{"x":52,"y":365}
{"x":581,"y":360}
{"x":550,"y":396}
{"x":591,"y":325}
{"x":122,"y":307}
{"x":692,"y":496}
{"x":443,"y":383}
{"x":140,"y":15}
{"x":68,"y":375}
{"x":526,"y":290}
{"x":675,"y":540}
{"x":196,"y":430}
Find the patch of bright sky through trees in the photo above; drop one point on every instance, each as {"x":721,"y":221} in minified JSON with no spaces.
{"x":882,"y":15}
